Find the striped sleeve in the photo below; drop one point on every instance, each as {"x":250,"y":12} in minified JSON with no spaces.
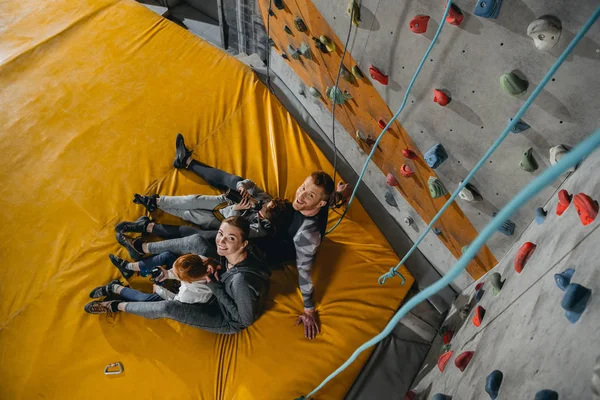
{"x":306,"y":241}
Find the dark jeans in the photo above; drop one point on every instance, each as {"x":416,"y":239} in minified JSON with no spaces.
{"x":179,"y":231}
{"x":165,"y":258}
{"x":135,"y":295}
{"x":215,"y":177}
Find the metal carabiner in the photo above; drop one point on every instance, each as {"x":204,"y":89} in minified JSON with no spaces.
{"x":117,"y":364}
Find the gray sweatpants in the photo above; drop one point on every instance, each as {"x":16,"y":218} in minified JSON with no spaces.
{"x":195,"y":244}
{"x":198,"y":209}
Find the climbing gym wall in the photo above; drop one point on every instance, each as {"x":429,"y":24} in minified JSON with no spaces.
{"x":466,"y":64}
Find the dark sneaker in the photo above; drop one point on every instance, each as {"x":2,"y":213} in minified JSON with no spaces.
{"x":103,"y":291}
{"x":102,"y":307}
{"x":138,"y":226}
{"x":129,"y":244}
{"x":121,"y":266}
{"x":182,"y":153}
{"x":147,"y":201}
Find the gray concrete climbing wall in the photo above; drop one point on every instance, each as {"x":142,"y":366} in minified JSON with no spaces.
{"x":468,"y":61}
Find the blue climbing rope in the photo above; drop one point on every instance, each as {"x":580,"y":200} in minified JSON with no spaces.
{"x":497,"y":143}
{"x":571,"y":159}
{"x":404,"y":101}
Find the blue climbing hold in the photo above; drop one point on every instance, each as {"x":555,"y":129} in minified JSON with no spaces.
{"x":389,"y":198}
{"x":437,"y":231}
{"x":507,"y":228}
{"x":520,"y":126}
{"x":546,"y":394}
{"x":436,"y":155}
{"x":488,"y":8}
{"x":479,"y":295}
{"x":540,"y":215}
{"x":574,"y":301}
{"x":492,"y":383}
{"x":440,"y":396}
{"x":564,"y":278}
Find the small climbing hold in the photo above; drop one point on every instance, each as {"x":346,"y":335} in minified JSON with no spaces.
{"x":354,"y":10}
{"x":293,"y":52}
{"x":564,"y":278}
{"x":357,"y":72}
{"x":496,"y":282}
{"x":410,"y":395}
{"x":479,"y":314}
{"x":443,"y":360}
{"x":545,"y":32}
{"x":346,"y":75}
{"x":512,"y":84}
{"x":320,"y":45}
{"x":469,"y":193}
{"x":546,"y":394}
{"x":279,"y":4}
{"x":564,"y":200}
{"x":408,"y":221}
{"x":479,"y":295}
{"x":488,"y":8}
{"x":507,"y":227}
{"x":520,"y":126}
{"x":408,"y":153}
{"x":464,"y":248}
{"x":528,"y":162}
{"x":441,"y":396}
{"x":523,"y":255}
{"x":285,"y":56}
{"x":287,"y":30}
{"x":381,"y":123}
{"x":329,"y":44}
{"x":446,"y":334}
{"x":445,"y":348}
{"x":586,"y":207}
{"x":455,"y":15}
{"x":389,"y":198}
{"x":367,"y":140}
{"x":437,"y":231}
{"x":271,"y":42}
{"x":463,"y":360}
{"x":440,"y":97}
{"x":492,"y":383}
{"x":406,"y":171}
{"x":540,"y":215}
{"x":305,"y":51}
{"x":391,"y":180}
{"x":436,"y":155}
{"x":301,"y":92}
{"x":575,"y":301}
{"x":378,"y":75}
{"x":314,"y":92}
{"x":419,"y":23}
{"x":299,"y":24}
{"x":479,"y":285}
{"x":336,"y":95}
{"x":464,"y":311}
{"x":596,"y":380}
{"x":436,"y":187}
{"x":271,"y":13}
{"x":557,"y":152}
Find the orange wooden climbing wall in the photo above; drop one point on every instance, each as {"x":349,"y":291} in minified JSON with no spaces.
{"x":362,"y":113}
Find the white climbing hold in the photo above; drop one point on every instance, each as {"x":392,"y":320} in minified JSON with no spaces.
{"x":557,"y":152}
{"x":408,"y":221}
{"x":545,"y":32}
{"x":469,"y":193}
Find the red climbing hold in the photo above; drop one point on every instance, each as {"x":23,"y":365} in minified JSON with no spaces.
{"x":463,"y":359}
{"x":523,"y":255}
{"x":410,"y":395}
{"x":408,"y":153}
{"x":455,"y":16}
{"x":440,"y":97}
{"x":479,"y":285}
{"x":447,"y":336}
{"x":378,"y":75}
{"x":479,"y":313}
{"x":586,"y":207}
{"x":391,"y":180}
{"x":443,"y":360}
{"x":406,"y":171}
{"x":381,"y":123}
{"x":564,"y":199}
{"x":419,"y":23}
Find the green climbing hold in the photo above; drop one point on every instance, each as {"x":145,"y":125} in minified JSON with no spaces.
{"x":293,"y":52}
{"x":354,"y":10}
{"x":271,"y":42}
{"x":528,"y":163}
{"x":357,"y":72}
{"x":346,"y":75}
{"x":300,"y":25}
{"x":436,"y":187}
{"x":337,"y":96}
{"x":328,"y":43}
{"x":445,"y":348}
{"x":305,"y":51}
{"x":464,"y":248}
{"x":314,"y":92}
{"x":497,"y":283}
{"x":512,"y":84}
{"x":287,"y":30}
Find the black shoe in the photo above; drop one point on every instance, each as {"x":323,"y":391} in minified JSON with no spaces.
{"x":138,"y":226}
{"x":102,"y":307}
{"x":121,"y":266}
{"x":129,"y":244}
{"x":147,"y":201}
{"x":182,"y":153}
{"x":103,"y":291}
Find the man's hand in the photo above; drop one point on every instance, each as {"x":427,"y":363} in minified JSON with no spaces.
{"x":245,"y":194}
{"x":245,"y":204}
{"x":345,"y":190}
{"x":311,"y":325}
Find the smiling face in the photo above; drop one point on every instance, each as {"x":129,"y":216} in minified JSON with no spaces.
{"x":309,"y":196}
{"x":229,"y":240}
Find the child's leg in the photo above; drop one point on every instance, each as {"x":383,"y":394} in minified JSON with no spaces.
{"x":147,"y":264}
{"x":135,"y":295}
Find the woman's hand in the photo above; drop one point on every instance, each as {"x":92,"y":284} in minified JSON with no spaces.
{"x":245,"y":194}
{"x":245,"y":204}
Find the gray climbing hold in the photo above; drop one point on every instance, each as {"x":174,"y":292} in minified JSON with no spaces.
{"x":314,"y":92}
{"x":512,"y":84}
{"x":271,"y":42}
{"x":337,"y":96}
{"x":479,"y":295}
{"x":557,"y":152}
{"x":285,"y":56}
{"x":441,"y":396}
{"x":493,"y":383}
{"x":469,"y":193}
{"x":436,"y":187}
{"x":436,"y":155}
{"x":279,"y":4}
{"x":528,"y":162}
{"x":408,"y":221}
{"x":293,"y":52}
{"x":540,"y":215}
{"x":271,"y":13}
{"x":520,"y":126}
{"x":301,"y":92}
{"x":496,"y":282}
{"x":300,"y":25}
{"x":445,"y":348}
{"x":545,"y":32}
{"x":354,"y":10}
{"x":564,"y":278}
{"x":357,"y":72}
{"x":389,"y":198}
{"x":546,"y":394}
{"x":346,"y":75}
{"x":287,"y":30}
{"x":596,"y":380}
{"x":305,"y":51}
{"x":507,"y":227}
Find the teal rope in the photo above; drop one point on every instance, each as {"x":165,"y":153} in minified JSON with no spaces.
{"x":572,"y":158}
{"x":493,"y":148}
{"x":410,"y":85}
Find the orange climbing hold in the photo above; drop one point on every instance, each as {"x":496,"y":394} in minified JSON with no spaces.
{"x":523,"y":255}
{"x":586,"y":207}
{"x":378,"y":75}
{"x":447,"y":336}
{"x":408,"y":153}
{"x":440,"y":97}
{"x":419,"y":24}
{"x":455,"y":16}
{"x":564,"y":199}
{"x":463,"y":360}
{"x":406,"y":171}
{"x":443,"y":360}
{"x":391,"y":180}
{"x":479,"y":314}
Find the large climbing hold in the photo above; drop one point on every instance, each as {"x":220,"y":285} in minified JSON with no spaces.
{"x":586,"y":207}
{"x":478,"y":317}
{"x":455,"y":15}
{"x":436,"y":155}
{"x":336,"y":95}
{"x":346,"y":75}
{"x":469,"y":193}
{"x":389,"y":198}
{"x":279,"y":4}
{"x":391,"y":180}
{"x":406,"y":171}
{"x":564,"y":200}
{"x":520,"y":126}
{"x":441,"y":396}
{"x":545,"y":32}
{"x":528,"y":162}
{"x":507,"y":227}
{"x":299,"y":24}
{"x":419,"y":23}
{"x":564,"y":278}
{"x":295,"y":54}
{"x":328,"y":43}
{"x":546,"y":394}
{"x":378,"y":75}
{"x":575,"y":301}
{"x":596,"y":380}
{"x":488,"y":8}
{"x":557,"y":152}
{"x":320,"y":45}
{"x":441,"y":97}
{"x":512,"y":84}
{"x":463,"y":360}
{"x":305,"y":51}
{"x":354,"y":10}
{"x":408,"y":153}
{"x":493,"y":383}
{"x":523,"y":255}
{"x":443,"y":360}
{"x":540,"y":215}
{"x":436,"y":187}
{"x":496,"y":282}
